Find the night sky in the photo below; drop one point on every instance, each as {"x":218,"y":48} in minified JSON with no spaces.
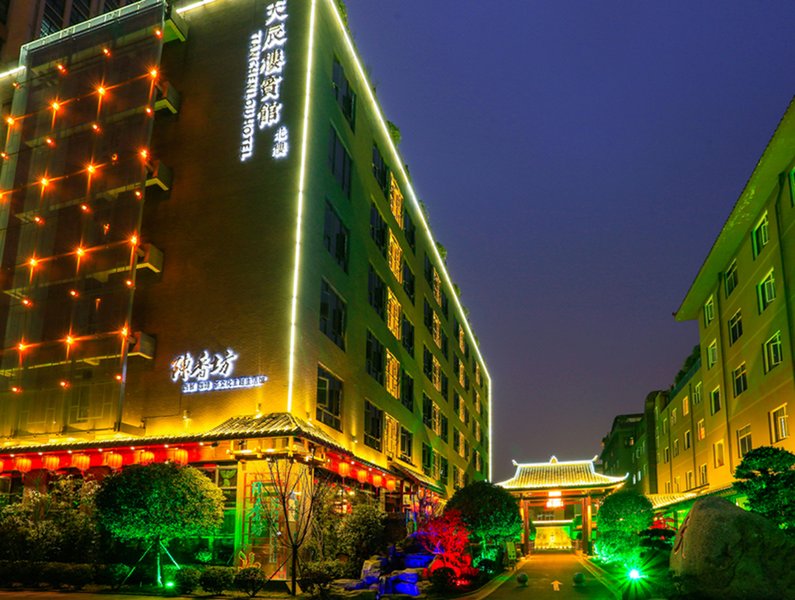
{"x":578,"y":160}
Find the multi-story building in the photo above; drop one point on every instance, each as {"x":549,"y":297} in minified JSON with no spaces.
{"x":212,"y":253}
{"x":744,"y":389}
{"x":618,"y":446}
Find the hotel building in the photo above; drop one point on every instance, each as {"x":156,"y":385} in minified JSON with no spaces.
{"x":212,"y":253}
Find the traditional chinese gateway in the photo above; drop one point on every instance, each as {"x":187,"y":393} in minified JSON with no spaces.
{"x":212,"y":254}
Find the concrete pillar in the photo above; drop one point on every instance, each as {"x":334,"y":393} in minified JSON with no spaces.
{"x":586,"y":525}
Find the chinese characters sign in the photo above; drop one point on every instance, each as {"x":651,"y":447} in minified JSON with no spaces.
{"x":208,"y":372}
{"x":262,"y":106}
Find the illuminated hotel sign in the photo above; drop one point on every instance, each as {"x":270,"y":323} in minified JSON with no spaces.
{"x":262,"y":106}
{"x":210,"y":372}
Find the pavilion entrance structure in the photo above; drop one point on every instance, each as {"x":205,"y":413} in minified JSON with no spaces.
{"x":560,"y":499}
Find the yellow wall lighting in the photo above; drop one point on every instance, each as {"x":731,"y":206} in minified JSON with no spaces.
{"x":300,"y":203}
{"x":418,"y":211}
{"x":188,"y":7}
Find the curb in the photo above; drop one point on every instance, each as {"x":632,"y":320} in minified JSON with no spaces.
{"x":494,"y":583}
{"x":600,"y":575}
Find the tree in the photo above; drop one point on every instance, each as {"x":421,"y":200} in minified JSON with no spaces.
{"x":157,"y":503}
{"x":447,"y":538}
{"x":361,"y":534}
{"x":490,"y":512}
{"x":54,"y":526}
{"x":766,"y":476}
{"x":287,"y":504}
{"x":626,"y":510}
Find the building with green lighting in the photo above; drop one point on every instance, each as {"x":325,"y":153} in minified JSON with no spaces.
{"x":212,"y":254}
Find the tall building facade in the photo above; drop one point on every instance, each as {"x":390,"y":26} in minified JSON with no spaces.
{"x":212,"y":253}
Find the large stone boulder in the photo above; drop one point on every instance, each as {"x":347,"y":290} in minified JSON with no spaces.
{"x":726,"y":553}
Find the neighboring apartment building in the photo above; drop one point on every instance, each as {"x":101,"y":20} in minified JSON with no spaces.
{"x":629,"y":449}
{"x":212,"y":253}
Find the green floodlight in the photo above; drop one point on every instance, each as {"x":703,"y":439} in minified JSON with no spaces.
{"x":169,"y":584}
{"x":634,"y":574}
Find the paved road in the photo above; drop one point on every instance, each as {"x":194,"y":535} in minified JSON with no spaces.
{"x":542,"y":570}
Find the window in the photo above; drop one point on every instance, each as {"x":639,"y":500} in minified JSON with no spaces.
{"x":714,"y":401}
{"x":335,"y":237}
{"x":408,"y":281}
{"x":685,"y":406}
{"x":80,"y":11}
{"x":701,"y":431}
{"x":395,"y":257}
{"x":427,"y":411}
{"x":343,"y":93}
{"x":392,"y":381}
{"x":396,"y":200}
{"x":444,"y":470}
{"x":665,"y":426}
{"x":406,"y":443}
{"x":702,"y":474}
{"x":779,"y":424}
{"x":427,"y":362}
{"x":730,"y":280}
{"x":773,"y":354}
{"x":52,"y":20}
{"x":478,"y":462}
{"x":689,"y":480}
{"x":380,"y":170}
{"x":391,"y":436}
{"x":478,"y":434}
{"x":443,"y":427}
{"x":410,"y":230}
{"x":378,"y":229}
{"x":376,"y":292}
{"x":375,"y":358}
{"x":735,"y":327}
{"x":744,"y":444}
{"x":427,"y":459}
{"x":712,"y":354}
{"x":688,"y":440}
{"x":766,"y":291}
{"x":740,"y":380}
{"x":407,"y":335}
{"x":709,"y":311}
{"x":676,"y":447}
{"x":437,"y":289}
{"x":393,"y":314}
{"x":332,"y":314}
{"x":329,"y":399}
{"x":666,"y":455}
{"x":429,"y":270}
{"x":458,"y":478}
{"x":717,"y":454}
{"x":673,"y":417}
{"x":697,"y":393}
{"x":407,"y":391}
{"x":373,"y":425}
{"x":340,"y":163}
{"x":436,"y":329}
{"x":761,"y":235}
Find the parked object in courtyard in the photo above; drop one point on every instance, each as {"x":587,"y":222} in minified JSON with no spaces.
{"x":726,"y":553}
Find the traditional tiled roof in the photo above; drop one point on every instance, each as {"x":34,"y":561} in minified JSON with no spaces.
{"x":560,"y":475}
{"x":236,"y":428}
{"x":663,"y":500}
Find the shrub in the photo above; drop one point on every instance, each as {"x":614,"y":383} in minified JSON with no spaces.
{"x":489,"y":567}
{"x":77,"y":576}
{"x":53,"y":573}
{"x":442,"y":579}
{"x":250,"y":580}
{"x":112,"y":575}
{"x":217,"y":579}
{"x":6,"y":573}
{"x":187,"y":579}
{"x":616,"y":546}
{"x":316,"y":575}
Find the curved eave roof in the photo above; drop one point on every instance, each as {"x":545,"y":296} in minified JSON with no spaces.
{"x":560,"y":475}
{"x":776,"y":158}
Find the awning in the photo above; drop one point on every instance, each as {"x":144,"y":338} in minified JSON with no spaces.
{"x":419,"y":478}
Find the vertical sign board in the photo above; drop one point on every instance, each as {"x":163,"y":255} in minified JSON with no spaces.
{"x":262,"y":100}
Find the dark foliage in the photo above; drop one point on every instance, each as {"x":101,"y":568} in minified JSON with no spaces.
{"x":490,"y":512}
{"x":766,"y":476}
{"x":250,"y":580}
{"x":187,"y":580}
{"x":217,"y":579}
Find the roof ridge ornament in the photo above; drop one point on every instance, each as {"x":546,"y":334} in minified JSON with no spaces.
{"x":553,"y":460}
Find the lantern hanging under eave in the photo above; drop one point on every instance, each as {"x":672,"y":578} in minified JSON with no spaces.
{"x":377,"y":480}
{"x":23,"y":464}
{"x":113,"y":460}
{"x":361,"y":475}
{"x":145,"y":457}
{"x":344,"y":469}
{"x":2,"y":464}
{"x":51,"y":462}
{"x":81,"y":461}
{"x":390,"y":485}
{"x":181,"y":456}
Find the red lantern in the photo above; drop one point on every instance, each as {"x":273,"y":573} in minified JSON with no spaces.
{"x":390,"y":485}
{"x":181,"y":456}
{"x":377,"y":479}
{"x":2,"y":463}
{"x":81,"y":461}
{"x":361,"y":475}
{"x":145,"y":457}
{"x":23,"y":464}
{"x":113,"y":460}
{"x":51,"y":462}
{"x":344,"y":469}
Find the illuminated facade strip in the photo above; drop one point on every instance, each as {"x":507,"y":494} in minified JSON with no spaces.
{"x":11,"y":72}
{"x":397,"y":161}
{"x":189,"y":7}
{"x":300,"y":207}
